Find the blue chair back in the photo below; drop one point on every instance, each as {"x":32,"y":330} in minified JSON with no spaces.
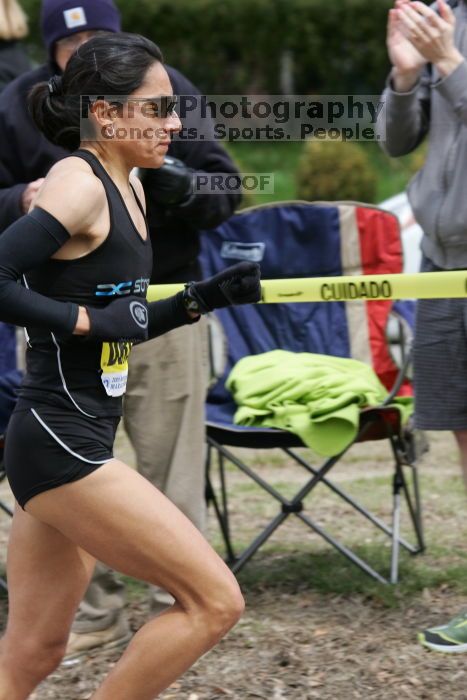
{"x":300,"y":239}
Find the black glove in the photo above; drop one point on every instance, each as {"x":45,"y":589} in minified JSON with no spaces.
{"x":172,"y":184}
{"x":123,"y":319}
{"x":239,"y":284}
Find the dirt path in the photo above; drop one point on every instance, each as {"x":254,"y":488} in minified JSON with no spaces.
{"x":301,"y":638}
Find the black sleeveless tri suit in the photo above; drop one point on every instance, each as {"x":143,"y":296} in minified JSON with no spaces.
{"x":70,"y":402}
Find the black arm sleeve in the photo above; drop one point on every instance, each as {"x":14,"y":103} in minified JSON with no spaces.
{"x":26,"y":244}
{"x":166,"y":315}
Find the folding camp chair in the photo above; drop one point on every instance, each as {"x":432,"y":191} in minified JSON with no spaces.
{"x":299,"y":239}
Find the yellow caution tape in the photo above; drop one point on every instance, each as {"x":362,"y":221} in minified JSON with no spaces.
{"x":426,"y":285}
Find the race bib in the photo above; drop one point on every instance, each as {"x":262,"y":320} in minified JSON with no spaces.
{"x":114,"y":366}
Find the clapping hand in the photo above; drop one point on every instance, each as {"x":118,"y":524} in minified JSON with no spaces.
{"x":429,"y":34}
{"x":405,"y":58}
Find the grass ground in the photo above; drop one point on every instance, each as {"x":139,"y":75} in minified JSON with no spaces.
{"x":315,"y":626}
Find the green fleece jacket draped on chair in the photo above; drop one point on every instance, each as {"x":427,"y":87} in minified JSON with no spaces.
{"x":317,"y":397}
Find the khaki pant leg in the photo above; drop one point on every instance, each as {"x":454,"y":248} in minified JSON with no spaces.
{"x":164,"y":411}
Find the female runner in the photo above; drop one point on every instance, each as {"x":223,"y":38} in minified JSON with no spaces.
{"x":83,"y":257}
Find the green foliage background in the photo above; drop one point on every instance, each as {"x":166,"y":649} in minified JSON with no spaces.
{"x":230,"y":46}
{"x":334,"y":170}
{"x":235,"y":47}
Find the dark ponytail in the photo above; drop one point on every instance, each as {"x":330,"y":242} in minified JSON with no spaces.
{"x":57,"y":116}
{"x":107,"y":64}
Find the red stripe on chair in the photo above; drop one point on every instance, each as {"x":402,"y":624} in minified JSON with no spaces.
{"x":351,"y":263}
{"x":381,"y":253}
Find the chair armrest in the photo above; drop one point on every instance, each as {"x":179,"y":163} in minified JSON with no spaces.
{"x":399,"y":379}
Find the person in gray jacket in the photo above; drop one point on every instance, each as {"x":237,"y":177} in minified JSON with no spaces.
{"x":426,"y":95}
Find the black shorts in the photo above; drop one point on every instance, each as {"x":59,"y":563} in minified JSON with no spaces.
{"x":47,"y":447}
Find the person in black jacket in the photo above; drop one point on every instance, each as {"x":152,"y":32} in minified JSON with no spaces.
{"x":13,"y":62}
{"x":13,"y":27}
{"x":167,"y":378}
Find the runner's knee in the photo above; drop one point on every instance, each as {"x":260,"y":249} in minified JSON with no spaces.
{"x":39,"y":657}
{"x":221,"y":607}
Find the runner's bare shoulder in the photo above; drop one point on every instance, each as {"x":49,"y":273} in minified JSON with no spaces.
{"x":72,"y":194}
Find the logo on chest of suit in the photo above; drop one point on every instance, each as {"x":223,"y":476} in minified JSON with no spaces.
{"x":121,"y":289}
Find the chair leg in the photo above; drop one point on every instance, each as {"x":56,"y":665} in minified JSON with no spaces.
{"x":398,"y":483}
{"x":414,"y":504}
{"x":222,"y":515}
{"x":258,"y":542}
{"x":418,"y":509}
{"x":348,"y":553}
{"x":295,"y":506}
{"x":351,"y":501}
{"x":415,"y":509}
{"x":225,"y":503}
